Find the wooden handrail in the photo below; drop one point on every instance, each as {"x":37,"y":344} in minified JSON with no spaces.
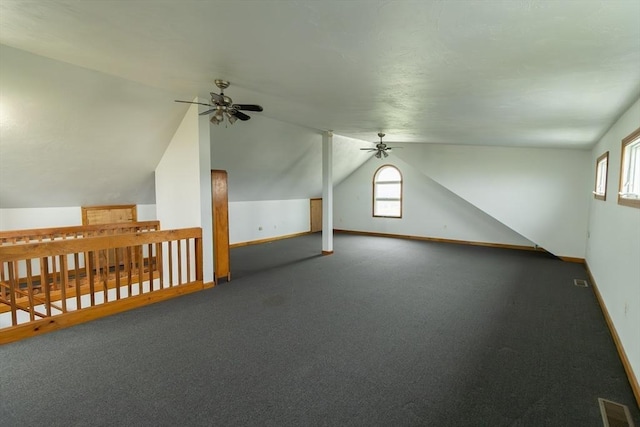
{"x":58,"y":278}
{"x":79,"y":231}
{"x":63,"y":247}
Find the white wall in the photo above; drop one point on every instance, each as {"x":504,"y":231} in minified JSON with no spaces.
{"x":249,"y":221}
{"x":613,"y":248}
{"x":429,"y":210}
{"x":26,"y":218}
{"x":542,"y":194}
{"x":183,"y":183}
{"x":273,"y":169}
{"x":178,"y":177}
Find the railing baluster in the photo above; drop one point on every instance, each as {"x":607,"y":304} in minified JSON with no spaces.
{"x":140,"y":268}
{"x":44,"y":283}
{"x":30,"y":289}
{"x":179,"y":262}
{"x":104,"y":255}
{"x":159,"y":266}
{"x":54,"y":281}
{"x":186,"y":241}
{"x":117,"y":272}
{"x":76,"y":261}
{"x":64,"y":281}
{"x":199,"y":265}
{"x":170,"y":250}
{"x":12,"y":291}
{"x":92,"y":288}
{"x":129,"y":269}
{"x":3,"y":292}
{"x":150,"y":263}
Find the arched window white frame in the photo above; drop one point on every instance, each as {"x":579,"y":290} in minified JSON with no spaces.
{"x":387,"y":192}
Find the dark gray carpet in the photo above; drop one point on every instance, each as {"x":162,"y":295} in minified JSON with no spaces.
{"x":385,"y":332}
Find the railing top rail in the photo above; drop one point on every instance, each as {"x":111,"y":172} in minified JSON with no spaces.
{"x":53,"y":232}
{"x":70,"y":246}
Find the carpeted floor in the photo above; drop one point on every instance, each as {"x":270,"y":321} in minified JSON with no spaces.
{"x":385,"y":332}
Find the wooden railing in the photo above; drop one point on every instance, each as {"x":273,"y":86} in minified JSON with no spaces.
{"x":13,"y":237}
{"x":49,"y":285}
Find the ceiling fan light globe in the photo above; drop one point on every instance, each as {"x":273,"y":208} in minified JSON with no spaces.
{"x":231,"y":118}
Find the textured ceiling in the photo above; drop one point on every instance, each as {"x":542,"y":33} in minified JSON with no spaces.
{"x":522,"y":73}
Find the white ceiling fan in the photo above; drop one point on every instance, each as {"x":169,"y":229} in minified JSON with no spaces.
{"x":381,"y":148}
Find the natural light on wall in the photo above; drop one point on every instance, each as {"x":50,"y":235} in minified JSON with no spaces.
{"x":387,"y":192}
{"x":629,"y":190}
{"x":5,"y":117}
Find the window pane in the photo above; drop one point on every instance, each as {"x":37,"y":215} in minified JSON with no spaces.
{"x":631,"y":177}
{"x":388,"y":174}
{"x":601,"y":176}
{"x":387,"y":191}
{"x":387,"y":208}
{"x":629,"y":190}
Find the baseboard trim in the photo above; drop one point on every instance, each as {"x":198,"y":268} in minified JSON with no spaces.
{"x":270,"y":239}
{"x":572,"y":259}
{"x":440,"y":240}
{"x":633,"y":380}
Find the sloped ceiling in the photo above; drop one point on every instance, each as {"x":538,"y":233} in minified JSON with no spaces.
{"x":521,"y":73}
{"x":71,"y":136}
{"x":268,"y":159}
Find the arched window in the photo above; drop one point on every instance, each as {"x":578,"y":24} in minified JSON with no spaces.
{"x":387,"y":192}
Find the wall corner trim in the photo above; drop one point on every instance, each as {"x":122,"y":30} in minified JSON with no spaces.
{"x":633,"y":380}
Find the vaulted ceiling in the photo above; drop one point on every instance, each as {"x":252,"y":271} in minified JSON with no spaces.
{"x":93,"y":82}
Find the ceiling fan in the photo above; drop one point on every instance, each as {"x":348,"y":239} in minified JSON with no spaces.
{"x":380,"y":148}
{"x":222,"y":106}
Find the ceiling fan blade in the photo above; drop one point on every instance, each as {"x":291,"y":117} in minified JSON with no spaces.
{"x":369,"y":149}
{"x":242,"y":116}
{"x":204,"y":113}
{"x":247,"y":107}
{"x":216,"y":97}
{"x":191,"y":102}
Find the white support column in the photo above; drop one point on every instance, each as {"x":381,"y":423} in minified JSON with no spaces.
{"x":204,"y":157}
{"x":327,"y":193}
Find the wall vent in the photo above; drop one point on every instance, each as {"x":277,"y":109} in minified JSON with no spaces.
{"x":614,"y":414}
{"x":580,"y":282}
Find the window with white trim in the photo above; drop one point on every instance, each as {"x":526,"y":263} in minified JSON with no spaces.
{"x":600,"y":191}
{"x":629,"y":189}
{"x":387,"y":192}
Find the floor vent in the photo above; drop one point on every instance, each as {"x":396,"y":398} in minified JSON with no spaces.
{"x":614,"y":414}
{"x":580,"y":282}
